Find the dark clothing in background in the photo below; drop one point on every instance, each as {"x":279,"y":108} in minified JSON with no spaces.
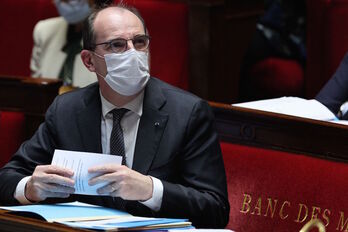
{"x":335,"y":91}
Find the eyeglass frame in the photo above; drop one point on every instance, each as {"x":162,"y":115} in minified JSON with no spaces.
{"x":126,"y":47}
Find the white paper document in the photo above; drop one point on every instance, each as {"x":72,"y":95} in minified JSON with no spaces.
{"x":80,"y":162}
{"x":294,"y":106}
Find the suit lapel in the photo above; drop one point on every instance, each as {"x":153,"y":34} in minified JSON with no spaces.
{"x":89,"y":120}
{"x":151,"y":128}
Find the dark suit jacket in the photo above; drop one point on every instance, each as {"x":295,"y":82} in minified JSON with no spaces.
{"x":176,"y":143}
{"x":335,"y":91}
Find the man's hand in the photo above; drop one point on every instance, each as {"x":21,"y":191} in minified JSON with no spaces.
{"x":49,"y":181}
{"x":122,"y":182}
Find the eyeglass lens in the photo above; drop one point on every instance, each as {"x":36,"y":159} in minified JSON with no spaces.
{"x":140,"y":43}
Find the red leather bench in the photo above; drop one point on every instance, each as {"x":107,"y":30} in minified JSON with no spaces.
{"x":17,"y":20}
{"x":271,"y":190}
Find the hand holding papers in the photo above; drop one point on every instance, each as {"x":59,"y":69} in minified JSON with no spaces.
{"x":98,"y":174}
{"x":80,"y":162}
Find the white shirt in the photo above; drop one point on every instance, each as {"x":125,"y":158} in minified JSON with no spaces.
{"x":129,"y":125}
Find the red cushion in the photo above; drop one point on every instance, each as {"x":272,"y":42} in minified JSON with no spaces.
{"x":17,"y":21}
{"x":11,"y":134}
{"x":296,"y":182}
{"x":167,"y":22}
{"x":276,"y":77}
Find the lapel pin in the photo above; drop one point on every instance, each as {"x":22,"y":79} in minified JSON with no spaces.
{"x":157,"y":124}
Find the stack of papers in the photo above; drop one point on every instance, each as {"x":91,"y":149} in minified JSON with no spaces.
{"x":94,"y":217}
{"x":294,"y":106}
{"x":79,"y":162}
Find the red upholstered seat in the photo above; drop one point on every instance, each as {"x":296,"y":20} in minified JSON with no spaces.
{"x":167,"y":22}
{"x":17,"y":21}
{"x":12,"y":134}
{"x":326,"y":45}
{"x":278,"y":191}
{"x":276,"y":77}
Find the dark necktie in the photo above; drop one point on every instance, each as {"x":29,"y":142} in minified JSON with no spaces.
{"x":71,"y":48}
{"x":116,"y":138}
{"x":66,"y":73}
{"x":117,"y":146}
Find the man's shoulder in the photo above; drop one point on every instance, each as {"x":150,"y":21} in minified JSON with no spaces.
{"x":79,"y":96}
{"x":174,"y":93}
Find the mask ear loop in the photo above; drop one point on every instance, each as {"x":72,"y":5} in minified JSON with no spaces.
{"x":101,"y":57}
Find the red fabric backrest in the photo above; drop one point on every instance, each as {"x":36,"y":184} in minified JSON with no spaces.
{"x":327,"y":41}
{"x":17,"y":21}
{"x":167,"y":22}
{"x":298,"y":187}
{"x":276,"y":77}
{"x":11,"y":134}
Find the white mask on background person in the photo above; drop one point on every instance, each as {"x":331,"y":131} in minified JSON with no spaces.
{"x":128,"y":72}
{"x":73,"y":11}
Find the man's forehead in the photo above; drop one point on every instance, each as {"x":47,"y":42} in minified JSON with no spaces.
{"x":116,"y":12}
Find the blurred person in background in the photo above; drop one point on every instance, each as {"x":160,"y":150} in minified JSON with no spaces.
{"x":58,"y":43}
{"x":334,"y":95}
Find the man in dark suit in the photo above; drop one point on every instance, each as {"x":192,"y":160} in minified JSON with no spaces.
{"x":173,"y":165}
{"x":335,"y":92}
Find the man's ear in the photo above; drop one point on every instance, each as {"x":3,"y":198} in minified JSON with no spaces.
{"x":87,"y":60}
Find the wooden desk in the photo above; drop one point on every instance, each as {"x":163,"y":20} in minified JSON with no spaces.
{"x":281,"y":132}
{"x":10,"y":223}
{"x":32,"y":96}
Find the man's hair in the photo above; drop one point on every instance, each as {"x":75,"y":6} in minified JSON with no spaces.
{"x":88,"y":35}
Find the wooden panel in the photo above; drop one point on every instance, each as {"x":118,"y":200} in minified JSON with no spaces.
{"x":282,"y":132}
{"x":32,"y":96}
{"x":220,"y":33}
{"x":10,"y":223}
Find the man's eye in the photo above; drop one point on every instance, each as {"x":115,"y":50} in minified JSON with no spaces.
{"x":139,"y":42}
{"x":117,"y":44}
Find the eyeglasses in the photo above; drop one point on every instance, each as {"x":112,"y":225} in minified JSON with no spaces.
{"x":119,"y":45}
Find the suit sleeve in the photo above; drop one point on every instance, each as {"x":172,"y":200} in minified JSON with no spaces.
{"x":36,"y":151}
{"x":35,"y":60}
{"x":201,"y":195}
{"x":335,"y":91}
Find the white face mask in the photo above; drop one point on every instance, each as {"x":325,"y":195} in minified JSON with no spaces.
{"x":128,"y":72}
{"x":73,"y":11}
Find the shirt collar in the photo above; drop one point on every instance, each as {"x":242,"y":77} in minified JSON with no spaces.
{"x":136,"y":105}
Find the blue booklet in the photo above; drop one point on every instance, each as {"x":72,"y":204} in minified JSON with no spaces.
{"x":74,"y":211}
{"x":81,"y":215}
